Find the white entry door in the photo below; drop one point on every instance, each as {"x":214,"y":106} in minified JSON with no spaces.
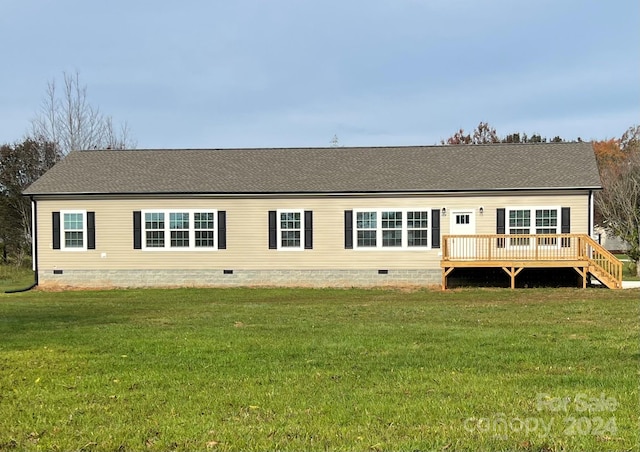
{"x":463,"y":222}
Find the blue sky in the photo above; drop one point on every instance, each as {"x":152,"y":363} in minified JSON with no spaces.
{"x":250,"y":73}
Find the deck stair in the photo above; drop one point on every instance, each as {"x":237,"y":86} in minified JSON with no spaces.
{"x":603,"y":265}
{"x":514,"y":252}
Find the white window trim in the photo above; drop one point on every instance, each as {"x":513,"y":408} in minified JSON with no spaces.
{"x":167,"y":230}
{"x":405,"y":236}
{"x":279,"y":246}
{"x":532,"y":225}
{"x":63,"y":242}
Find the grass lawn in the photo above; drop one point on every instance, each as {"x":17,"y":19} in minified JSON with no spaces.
{"x":265,"y":369}
{"x":13,"y":278}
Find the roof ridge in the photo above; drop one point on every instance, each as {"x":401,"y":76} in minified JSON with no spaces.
{"x":312,"y":148}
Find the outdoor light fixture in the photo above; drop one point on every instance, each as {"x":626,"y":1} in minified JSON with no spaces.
{"x":444,"y":211}
{"x":481,"y":210}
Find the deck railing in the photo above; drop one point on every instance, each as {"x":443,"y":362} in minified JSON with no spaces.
{"x":525,"y":247}
{"x":531,"y":248}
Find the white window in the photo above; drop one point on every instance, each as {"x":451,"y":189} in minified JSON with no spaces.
{"x":519,"y":223}
{"x":74,"y":230}
{"x":542,"y":220}
{"x":391,"y":228}
{"x":154,"y":229}
{"x":290,"y":229}
{"x":203,"y":224}
{"x":179,"y":229}
{"x":547,"y":223}
{"x":417,"y":228}
{"x":366,"y":229}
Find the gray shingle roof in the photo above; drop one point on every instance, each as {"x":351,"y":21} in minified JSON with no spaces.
{"x":323,"y":170}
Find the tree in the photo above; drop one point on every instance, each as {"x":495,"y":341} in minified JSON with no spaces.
{"x":482,"y":134}
{"x":8,"y":230}
{"x":68,"y":119}
{"x":608,"y":153}
{"x":619,"y":200}
{"x":458,"y":138}
{"x":20,"y":165}
{"x":630,"y":140}
{"x":515,"y":138}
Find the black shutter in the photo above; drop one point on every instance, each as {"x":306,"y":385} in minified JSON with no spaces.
{"x":500,"y":221}
{"x":308,"y":230}
{"x":500,"y":226}
{"x":222,"y":230}
{"x":348,"y":229}
{"x":273,"y":230}
{"x":565,"y":226}
{"x":91,"y":230}
{"x":435,"y":228}
{"x":137,"y":230}
{"x":565,"y":222}
{"x":55,"y":220}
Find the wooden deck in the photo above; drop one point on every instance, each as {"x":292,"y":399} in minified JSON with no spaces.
{"x":513,"y":253}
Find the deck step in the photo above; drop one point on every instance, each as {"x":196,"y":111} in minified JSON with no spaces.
{"x":605,"y":278}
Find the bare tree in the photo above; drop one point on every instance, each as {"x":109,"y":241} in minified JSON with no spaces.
{"x":630,"y":140}
{"x":483,"y":134}
{"x":68,"y":119}
{"x":619,"y":201}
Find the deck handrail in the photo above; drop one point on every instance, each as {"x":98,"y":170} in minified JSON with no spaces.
{"x":603,"y":259}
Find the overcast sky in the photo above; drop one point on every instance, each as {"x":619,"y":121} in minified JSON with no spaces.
{"x":294,"y":73}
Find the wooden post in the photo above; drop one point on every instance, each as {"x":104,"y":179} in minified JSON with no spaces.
{"x":445,"y":273}
{"x":513,"y":272}
{"x":582,"y":272}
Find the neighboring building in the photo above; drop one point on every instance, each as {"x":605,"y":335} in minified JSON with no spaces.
{"x":609,"y":241}
{"x":299,"y":217}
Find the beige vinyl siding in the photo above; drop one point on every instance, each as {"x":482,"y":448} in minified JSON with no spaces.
{"x":247,"y":231}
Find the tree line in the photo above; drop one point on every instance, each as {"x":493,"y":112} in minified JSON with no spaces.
{"x":485,"y":134}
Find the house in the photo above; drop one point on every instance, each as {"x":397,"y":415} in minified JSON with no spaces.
{"x":609,"y":241}
{"x":362,"y":216}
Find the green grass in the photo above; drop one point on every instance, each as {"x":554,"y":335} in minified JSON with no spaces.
{"x":628,"y":268}
{"x":12,"y":278}
{"x":266,"y":369}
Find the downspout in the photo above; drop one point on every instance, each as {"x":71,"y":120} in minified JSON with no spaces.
{"x":591,"y":213}
{"x":34,"y":240}
{"x":34,"y":249}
